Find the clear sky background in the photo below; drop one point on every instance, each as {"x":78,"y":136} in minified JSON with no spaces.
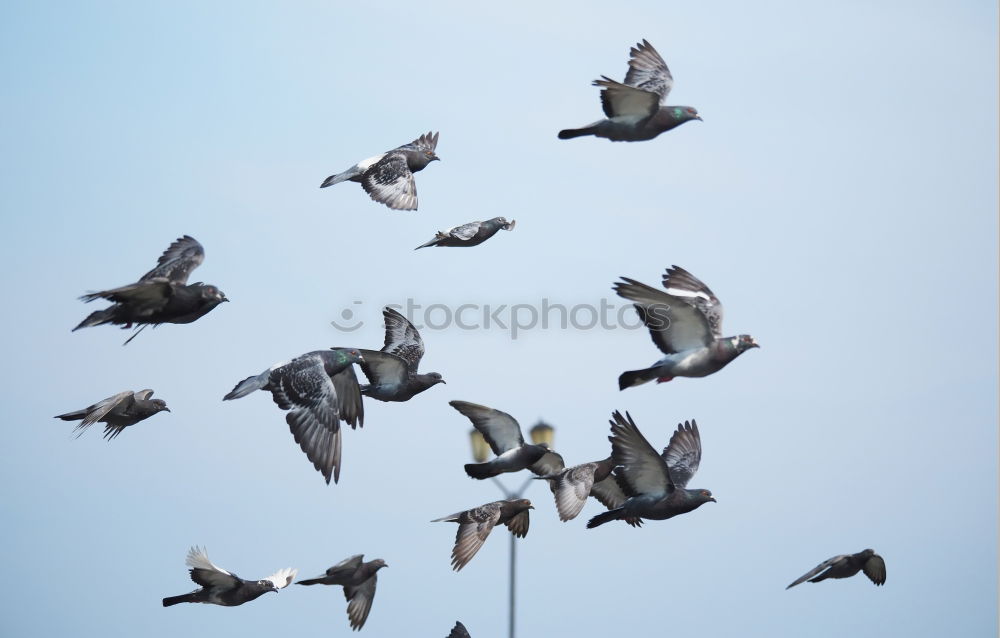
{"x":840,"y":198}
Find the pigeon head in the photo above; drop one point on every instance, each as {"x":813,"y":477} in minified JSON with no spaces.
{"x":160,"y":405}
{"x":685,"y":114}
{"x":378,"y":564}
{"x":521,"y":504}
{"x":267,"y":585}
{"x":700,"y":497}
{"x":349,"y":355}
{"x":435,"y":378}
{"x":503,"y":223}
{"x":745,"y":342}
{"x":212,"y":295}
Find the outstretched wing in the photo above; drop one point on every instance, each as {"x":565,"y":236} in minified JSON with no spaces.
{"x":346,"y":567}
{"x":459,"y":631}
{"x":499,"y":429}
{"x":681,"y":283}
{"x":609,"y":493}
{"x":177,"y":261}
{"x":359,"y":601}
{"x":383,"y":369}
{"x":621,"y":100}
{"x":143,"y":297}
{"x":205,"y":573}
{"x":100,"y":409}
{"x":426,"y":142}
{"x":283,"y":577}
{"x":390,"y":182}
{"x":303,"y":388}
{"x":474,"y":527}
{"x":874,"y":569}
{"x":642,"y":469}
{"x":817,"y":569}
{"x":648,"y":71}
{"x":674,"y":324}
{"x":402,"y":339}
{"x":683,"y":454}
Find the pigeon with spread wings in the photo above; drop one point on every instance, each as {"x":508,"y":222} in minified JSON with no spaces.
{"x":358,"y":579}
{"x":503,"y":434}
{"x":320,"y":390}
{"x":685,"y":323}
{"x":117,"y":412}
{"x":475,"y":525}
{"x":162,"y":295}
{"x":572,"y":485}
{"x":845,"y":566}
{"x":656,"y":485}
{"x":636,"y":109}
{"x":471,"y":234}
{"x":392,"y":371}
{"x":388,"y":177}
{"x":220,"y":587}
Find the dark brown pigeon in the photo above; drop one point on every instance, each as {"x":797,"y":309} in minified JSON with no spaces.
{"x":117,"y":412}
{"x":392,"y":371}
{"x":219,"y":587}
{"x":358,"y":579}
{"x":476,"y":524}
{"x":503,"y":434}
{"x":655,"y":484}
{"x":160,"y":296}
{"x":845,"y":566}
{"x":471,"y":234}
{"x":636,"y":109}
{"x":388,"y":178}
{"x":319,"y":389}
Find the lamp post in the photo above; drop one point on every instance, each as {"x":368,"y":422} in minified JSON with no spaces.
{"x":539,"y":433}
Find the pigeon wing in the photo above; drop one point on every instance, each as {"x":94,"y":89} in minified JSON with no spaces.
{"x":608,"y":493}
{"x":426,"y":142}
{"x":683,"y":454}
{"x":550,"y":463}
{"x":283,"y":577}
{"x":205,"y":573}
{"x":352,"y":410}
{"x":100,"y":409}
{"x":874,"y":569}
{"x":459,"y":631}
{"x":674,"y":324}
{"x":383,"y":369}
{"x":518,"y":524}
{"x":390,"y":182}
{"x":648,"y":71}
{"x":346,"y":567}
{"x":816,"y":570}
{"x":402,"y":339}
{"x":303,"y":388}
{"x":144,"y":297}
{"x":572,"y":489}
{"x":474,"y":526}
{"x":359,"y":601}
{"x":465,"y":232}
{"x":499,"y":429}
{"x":177,"y":261}
{"x":621,"y":100}
{"x":643,"y":470}
{"x":681,"y":283}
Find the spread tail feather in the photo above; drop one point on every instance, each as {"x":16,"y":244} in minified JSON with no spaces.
{"x":97,"y":318}
{"x":248,"y":385}
{"x":636,"y":377}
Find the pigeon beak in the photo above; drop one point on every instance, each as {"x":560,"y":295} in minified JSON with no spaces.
{"x":712,"y":498}
{"x":166,"y":409}
{"x":753,"y":342}
{"x":698,"y":117}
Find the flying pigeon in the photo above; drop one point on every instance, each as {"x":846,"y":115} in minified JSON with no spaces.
{"x":476,"y":524}
{"x":320,"y":389}
{"x":637,"y":109}
{"x":686,"y":325}
{"x":117,"y":412}
{"x":845,"y":566}
{"x":219,"y":587}
{"x":392,"y":371}
{"x":471,"y":234}
{"x":571,"y":486}
{"x":359,"y":581}
{"x":655,"y":484}
{"x":160,"y":296}
{"x":388,"y":178}
{"x":503,"y":434}
{"x":459,"y":631}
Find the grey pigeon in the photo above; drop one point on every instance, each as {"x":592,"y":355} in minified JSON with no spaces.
{"x":117,"y":412}
{"x":572,"y":485}
{"x":503,"y":434}
{"x":655,"y":484}
{"x":459,"y":631}
{"x":637,"y":109}
{"x":392,"y":371}
{"x":686,"y":325}
{"x":845,"y":566}
{"x":476,"y":524}
{"x":320,"y":390}
{"x":219,"y":587}
{"x":388,"y":177}
{"x":471,"y":234}
{"x":162,"y":295}
{"x":358,"y":579}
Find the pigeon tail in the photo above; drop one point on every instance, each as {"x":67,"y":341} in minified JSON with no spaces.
{"x":72,"y":416}
{"x":249,"y":385}
{"x":340,"y":177}
{"x":310,"y":581}
{"x":605,"y":517}
{"x":97,"y":318}
{"x":175,"y":600}
{"x":570,"y":133}
{"x":637,"y":377}
{"x":433,"y":242}
{"x":480,"y":470}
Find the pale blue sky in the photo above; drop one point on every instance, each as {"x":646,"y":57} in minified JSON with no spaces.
{"x":840,"y":197}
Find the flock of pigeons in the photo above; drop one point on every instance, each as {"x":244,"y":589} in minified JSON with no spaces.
{"x":320,"y":391}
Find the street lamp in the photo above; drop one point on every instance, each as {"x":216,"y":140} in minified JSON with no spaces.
{"x":539,"y":433}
